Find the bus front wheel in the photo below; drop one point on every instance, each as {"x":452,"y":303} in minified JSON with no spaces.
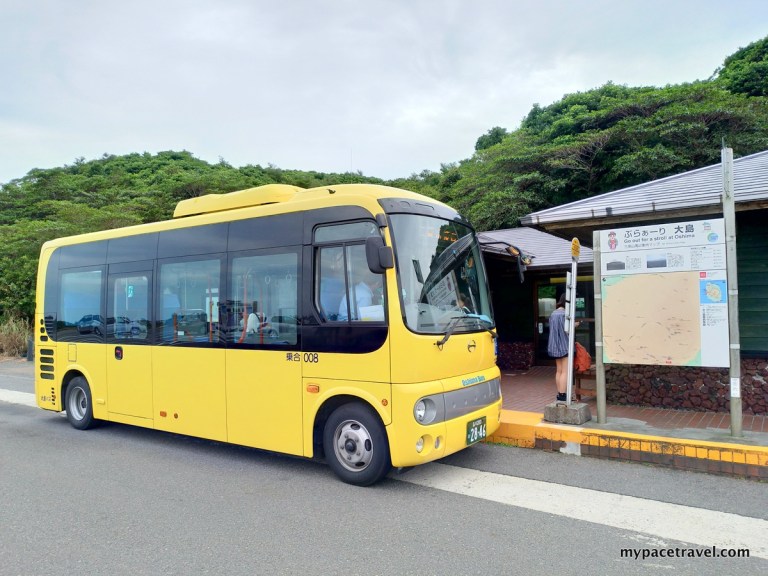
{"x":356,"y":446}
{"x":78,"y":404}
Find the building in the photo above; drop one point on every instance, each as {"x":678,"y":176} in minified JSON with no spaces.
{"x":523,"y":302}
{"x":690,"y":196}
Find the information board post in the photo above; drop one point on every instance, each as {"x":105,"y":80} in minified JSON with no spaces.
{"x":729,"y":216}
{"x":664,"y":297}
{"x":599,"y":366}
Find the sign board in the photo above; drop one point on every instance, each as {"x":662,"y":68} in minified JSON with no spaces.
{"x":575,"y":249}
{"x":664,"y":294}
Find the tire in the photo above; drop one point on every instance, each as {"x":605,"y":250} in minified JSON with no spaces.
{"x":356,"y":445}
{"x":78,"y":404}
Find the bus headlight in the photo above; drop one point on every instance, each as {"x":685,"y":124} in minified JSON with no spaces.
{"x":420,"y":411}
{"x":425,"y":411}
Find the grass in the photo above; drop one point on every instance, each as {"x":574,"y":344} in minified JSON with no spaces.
{"x":14,"y":333}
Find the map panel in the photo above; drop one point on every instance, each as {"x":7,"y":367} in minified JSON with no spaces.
{"x":665,"y":295}
{"x":671,"y":334}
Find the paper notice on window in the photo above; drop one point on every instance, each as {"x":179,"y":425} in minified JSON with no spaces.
{"x":372,"y":313}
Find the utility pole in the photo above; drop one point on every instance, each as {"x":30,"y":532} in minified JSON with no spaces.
{"x":729,"y":216}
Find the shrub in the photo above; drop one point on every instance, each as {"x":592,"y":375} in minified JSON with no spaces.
{"x":13,"y":336}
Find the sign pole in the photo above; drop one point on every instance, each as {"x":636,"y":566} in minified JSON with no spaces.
{"x":570,"y":308}
{"x":729,"y":215}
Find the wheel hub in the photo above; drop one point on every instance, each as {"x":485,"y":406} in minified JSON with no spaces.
{"x":353,"y":445}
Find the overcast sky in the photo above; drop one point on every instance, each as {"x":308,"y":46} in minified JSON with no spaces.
{"x":386,"y":87}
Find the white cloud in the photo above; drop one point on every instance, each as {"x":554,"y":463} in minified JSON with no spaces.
{"x":386,"y":87}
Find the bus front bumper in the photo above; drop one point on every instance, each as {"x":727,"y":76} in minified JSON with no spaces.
{"x":467,"y":415}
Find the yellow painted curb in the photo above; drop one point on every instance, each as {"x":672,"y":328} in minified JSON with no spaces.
{"x":517,"y":429}
{"x":523,"y":429}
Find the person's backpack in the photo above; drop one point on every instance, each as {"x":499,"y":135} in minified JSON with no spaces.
{"x":582,"y":361}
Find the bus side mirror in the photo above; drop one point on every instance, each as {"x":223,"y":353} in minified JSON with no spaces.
{"x":378,"y":254}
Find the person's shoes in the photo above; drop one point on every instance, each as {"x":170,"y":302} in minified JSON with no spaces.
{"x":562,"y":397}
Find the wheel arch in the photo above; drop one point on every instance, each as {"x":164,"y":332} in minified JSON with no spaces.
{"x":326,"y":409}
{"x":71,"y":374}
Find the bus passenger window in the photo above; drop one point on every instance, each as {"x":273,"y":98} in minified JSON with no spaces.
{"x":188,"y":302}
{"x":128,"y":307}
{"x":263,"y":299}
{"x":79,"y":317}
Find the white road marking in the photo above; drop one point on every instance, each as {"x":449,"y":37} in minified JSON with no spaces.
{"x":695,"y":526}
{"x":14,"y":397}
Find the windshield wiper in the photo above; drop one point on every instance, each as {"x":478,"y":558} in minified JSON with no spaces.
{"x":453,"y":324}
{"x":447,"y":260}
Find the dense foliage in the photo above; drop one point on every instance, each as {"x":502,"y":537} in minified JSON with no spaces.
{"x":586,"y":143}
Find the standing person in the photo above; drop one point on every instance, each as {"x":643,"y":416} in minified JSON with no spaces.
{"x":557,"y":347}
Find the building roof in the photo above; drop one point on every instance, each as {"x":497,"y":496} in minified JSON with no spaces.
{"x":549,"y":251}
{"x":695,"y":192}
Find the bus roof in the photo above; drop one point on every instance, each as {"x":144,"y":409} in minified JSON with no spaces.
{"x":283,"y":193}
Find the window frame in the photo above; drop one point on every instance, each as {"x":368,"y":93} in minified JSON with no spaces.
{"x":345,"y":244}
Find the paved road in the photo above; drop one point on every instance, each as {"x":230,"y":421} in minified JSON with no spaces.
{"x":16,"y":374}
{"x":124,"y":500}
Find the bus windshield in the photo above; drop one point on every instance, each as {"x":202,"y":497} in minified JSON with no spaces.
{"x":441,"y":276}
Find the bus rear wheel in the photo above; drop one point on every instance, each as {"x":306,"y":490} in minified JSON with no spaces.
{"x":78,"y":404}
{"x":356,"y":445}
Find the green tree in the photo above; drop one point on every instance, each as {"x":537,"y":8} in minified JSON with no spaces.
{"x":746,"y":71}
{"x":490,"y":138}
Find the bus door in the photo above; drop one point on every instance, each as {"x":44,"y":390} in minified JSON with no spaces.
{"x":129,"y":354}
{"x":263,"y":367}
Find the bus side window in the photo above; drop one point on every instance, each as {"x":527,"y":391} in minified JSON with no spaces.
{"x":364,"y":300}
{"x":263,"y":298}
{"x":188,"y":301}
{"x":128,"y":307}
{"x":80,"y":306}
{"x":347,"y":289}
{"x":330,"y":281}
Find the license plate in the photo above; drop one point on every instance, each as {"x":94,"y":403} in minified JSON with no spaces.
{"x":475,"y":430}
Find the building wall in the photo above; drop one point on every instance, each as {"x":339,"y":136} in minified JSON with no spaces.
{"x":687,"y":388}
{"x":752,"y":262}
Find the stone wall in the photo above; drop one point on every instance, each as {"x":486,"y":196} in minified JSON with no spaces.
{"x":515,"y":355}
{"x":687,"y":388}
